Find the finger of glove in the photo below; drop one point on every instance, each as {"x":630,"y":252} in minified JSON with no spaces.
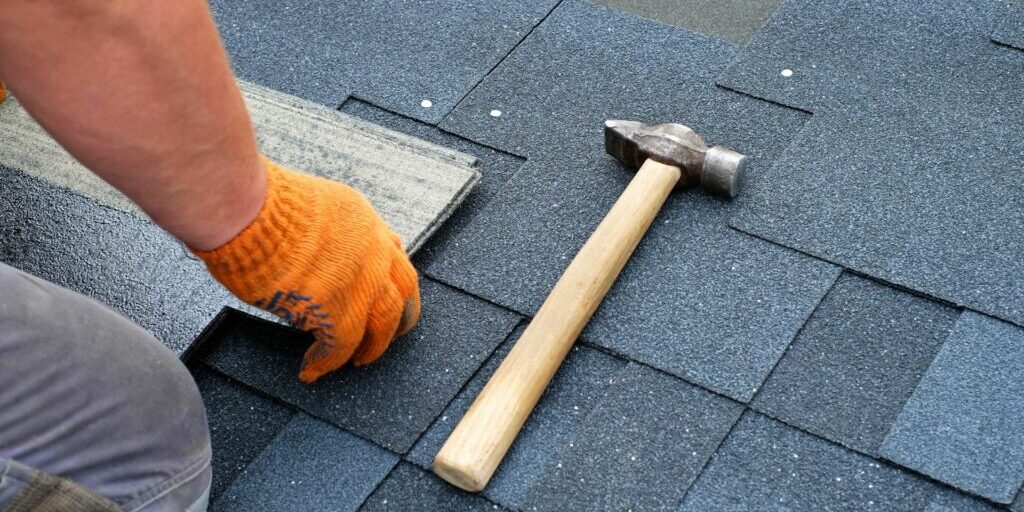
{"x":383,"y":321}
{"x":403,"y":274}
{"x":334,"y":345}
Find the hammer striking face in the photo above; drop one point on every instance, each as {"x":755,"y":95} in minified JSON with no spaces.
{"x":718,"y":170}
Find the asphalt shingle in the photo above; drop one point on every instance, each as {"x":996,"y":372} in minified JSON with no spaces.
{"x":391,"y":401}
{"x":310,"y":465}
{"x":640,"y":449}
{"x":242,"y":422}
{"x":909,"y":171}
{"x":698,"y":299}
{"x":844,"y":53}
{"x":963,"y":423}
{"x":409,"y":488}
{"x":734,"y":21}
{"x":767,"y":466}
{"x":945,"y":500}
{"x":393,"y":53}
{"x":115,"y":257}
{"x":856,"y":362}
{"x":495,"y":166}
{"x":1010,"y":30}
{"x":575,"y":390}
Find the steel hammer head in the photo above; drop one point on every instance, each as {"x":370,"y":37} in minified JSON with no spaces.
{"x":718,"y":170}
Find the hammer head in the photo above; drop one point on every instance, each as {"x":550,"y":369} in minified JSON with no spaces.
{"x":718,"y":170}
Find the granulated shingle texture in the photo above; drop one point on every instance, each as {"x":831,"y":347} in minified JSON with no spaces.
{"x":732,"y":20}
{"x":396,"y":398}
{"x":640,"y":449}
{"x":394,"y":53}
{"x":409,"y":488}
{"x":856,"y":362}
{"x":310,"y":465}
{"x":495,"y":166}
{"x":844,"y":53}
{"x":945,"y":500}
{"x":910,"y":171}
{"x":1010,"y":30}
{"x":242,"y":422}
{"x":698,"y":299}
{"x":768,"y":466}
{"x":575,"y":390}
{"x":963,"y":424}
{"x":117,"y":258}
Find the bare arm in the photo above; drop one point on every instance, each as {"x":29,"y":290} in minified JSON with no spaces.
{"x":142,"y":94}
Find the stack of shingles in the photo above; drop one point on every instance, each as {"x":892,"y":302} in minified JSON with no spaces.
{"x":684,"y":395}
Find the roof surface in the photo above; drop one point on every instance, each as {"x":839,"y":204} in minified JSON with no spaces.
{"x":846,"y":335}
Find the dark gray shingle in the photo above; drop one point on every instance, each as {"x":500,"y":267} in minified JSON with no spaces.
{"x":242,"y":422}
{"x":963,"y":424}
{"x":698,"y":299}
{"x":117,"y":258}
{"x":409,"y":488}
{"x":856,"y":362}
{"x":575,"y":390}
{"x":768,"y":466}
{"x":1010,"y":29}
{"x":391,"y":401}
{"x":394,"y":53}
{"x":310,"y":465}
{"x":909,"y":170}
{"x":640,"y":449}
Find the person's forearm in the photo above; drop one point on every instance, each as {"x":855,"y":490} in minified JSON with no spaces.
{"x":141,"y":93}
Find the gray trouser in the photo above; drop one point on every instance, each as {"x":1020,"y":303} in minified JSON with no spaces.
{"x":88,"y":395}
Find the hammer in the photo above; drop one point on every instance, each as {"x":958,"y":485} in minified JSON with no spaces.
{"x":667,"y":156}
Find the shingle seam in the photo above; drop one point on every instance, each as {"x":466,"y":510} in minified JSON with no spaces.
{"x":613,"y":353}
{"x":759,"y":98}
{"x":796,"y":335}
{"x":499,"y":63}
{"x":360,"y":99}
{"x":707,"y":462}
{"x":302,"y":410}
{"x":462,"y":388}
{"x":881,"y":281}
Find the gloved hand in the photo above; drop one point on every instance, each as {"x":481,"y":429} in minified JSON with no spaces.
{"x":319,"y":256}
{"x":3,"y":91}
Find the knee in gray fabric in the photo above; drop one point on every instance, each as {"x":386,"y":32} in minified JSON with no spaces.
{"x":89,"y":395}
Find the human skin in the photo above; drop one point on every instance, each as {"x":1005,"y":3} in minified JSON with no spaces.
{"x":142,"y":94}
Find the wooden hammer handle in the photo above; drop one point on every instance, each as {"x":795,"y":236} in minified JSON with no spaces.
{"x":475,"y":448}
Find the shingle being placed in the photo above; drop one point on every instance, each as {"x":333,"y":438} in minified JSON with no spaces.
{"x":417,"y":58}
{"x":856,"y":362}
{"x":1010,"y":29}
{"x":640,"y":449}
{"x":310,"y":465}
{"x":495,"y":167}
{"x":963,"y":424}
{"x":698,"y":299}
{"x":409,"y":489}
{"x":768,"y":466}
{"x":390,"y":401}
{"x":242,"y":422}
{"x":575,"y":390}
{"x":414,"y":184}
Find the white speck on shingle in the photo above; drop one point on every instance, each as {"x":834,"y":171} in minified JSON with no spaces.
{"x":495,"y":113}
{"x":787,"y":72}
{"x":426,"y":103}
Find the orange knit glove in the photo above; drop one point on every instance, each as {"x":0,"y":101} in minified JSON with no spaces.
{"x":319,"y":256}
